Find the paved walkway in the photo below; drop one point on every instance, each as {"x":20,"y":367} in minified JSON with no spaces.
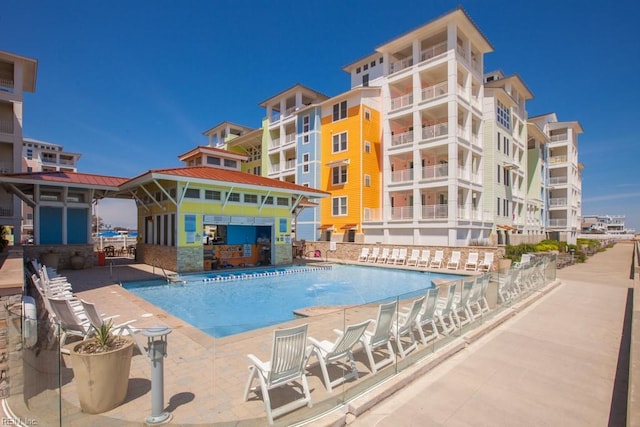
{"x":553,"y":364}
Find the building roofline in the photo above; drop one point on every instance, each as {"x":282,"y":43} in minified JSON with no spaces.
{"x":277,"y":95}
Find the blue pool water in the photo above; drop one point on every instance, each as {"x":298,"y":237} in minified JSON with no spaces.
{"x":222,"y":307}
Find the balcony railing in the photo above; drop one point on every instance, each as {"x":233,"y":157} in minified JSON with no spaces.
{"x":561,"y":201}
{"x":374,"y":214}
{"x":435,"y":171}
{"x":402,"y":138}
{"x":400,"y":65}
{"x":401,"y":101}
{"x":433,"y":51}
{"x":289,"y":111}
{"x":557,"y":159}
{"x":48,"y":159}
{"x":475,"y":64}
{"x":435,"y":211}
{"x":469,"y":212}
{"x":435,"y":91}
{"x":290,"y":164}
{"x":461,"y":52}
{"x":275,"y":143}
{"x":435,"y":131}
{"x":402,"y":213}
{"x":462,"y":132}
{"x":559,"y":137}
{"x":6,"y":167}
{"x":557,"y":180}
{"x":557,"y":223}
{"x":6,"y":85}
{"x":275,"y":168}
{"x":275,"y":117}
{"x":403,"y":175}
{"x":475,"y":139}
{"x":6,"y":126}
{"x":289,"y":138}
{"x":476,"y":177}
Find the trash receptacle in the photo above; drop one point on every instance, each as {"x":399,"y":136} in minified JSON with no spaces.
{"x":101,"y":259}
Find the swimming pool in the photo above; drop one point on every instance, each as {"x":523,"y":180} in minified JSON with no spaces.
{"x":222,"y":307}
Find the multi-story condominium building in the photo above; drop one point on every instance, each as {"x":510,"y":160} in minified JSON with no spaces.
{"x":291,"y":147}
{"x":350,"y":167}
{"x":431,"y":89}
{"x":40,"y":156}
{"x":605,"y":224}
{"x":239,"y":139}
{"x":505,"y":153}
{"x":564,"y":186}
{"x":537,"y":177}
{"x":17,"y":75}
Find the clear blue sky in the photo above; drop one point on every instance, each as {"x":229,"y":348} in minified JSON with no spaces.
{"x":133,"y":84}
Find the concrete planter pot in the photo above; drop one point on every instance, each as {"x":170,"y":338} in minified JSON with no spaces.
{"x":77,"y":261}
{"x":101,"y":379}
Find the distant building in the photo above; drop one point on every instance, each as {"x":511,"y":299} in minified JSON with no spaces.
{"x":605,"y":224}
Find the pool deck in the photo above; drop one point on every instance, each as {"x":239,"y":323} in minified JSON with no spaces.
{"x":553,"y":363}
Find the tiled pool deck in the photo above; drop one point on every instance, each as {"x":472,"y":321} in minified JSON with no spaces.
{"x":204,"y":377}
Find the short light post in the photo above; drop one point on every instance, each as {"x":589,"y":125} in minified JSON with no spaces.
{"x":157,"y":351}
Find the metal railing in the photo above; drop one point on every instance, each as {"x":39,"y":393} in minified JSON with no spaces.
{"x":401,"y":101}
{"x":400,"y":65}
{"x":435,"y":171}
{"x":435,"y":211}
{"x":403,"y":175}
{"x":434,"y":131}
{"x":402,"y":138}
{"x":560,"y":201}
{"x":402,"y":213}
{"x":433,"y":51}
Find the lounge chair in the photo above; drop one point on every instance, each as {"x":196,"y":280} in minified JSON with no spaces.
{"x":414,"y":257}
{"x":487,"y":262}
{"x":444,"y":310}
{"x":437,"y":260}
{"x":329,"y":352}
{"x":124,"y":328}
{"x":364,"y":254}
{"x":427,"y":316}
{"x":525,"y":259}
{"x":472,"y":262}
{"x":382,"y":259}
{"x":68,"y":321}
{"x":425,"y":257}
{"x":381,"y":336}
{"x":402,"y":256}
{"x":404,"y":326}
{"x":395,"y":253}
{"x":287,"y":364}
{"x":462,"y":312}
{"x":454,"y":261}
{"x":373,"y":256}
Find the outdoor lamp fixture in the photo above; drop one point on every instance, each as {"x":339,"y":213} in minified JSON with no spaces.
{"x":157,"y":351}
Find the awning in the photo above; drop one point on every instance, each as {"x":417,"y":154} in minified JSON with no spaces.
{"x":335,"y":163}
{"x":325,"y":226}
{"x":510,"y":165}
{"x":349,"y":227}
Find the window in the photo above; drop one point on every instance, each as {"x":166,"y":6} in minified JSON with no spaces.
{"x":305,"y":157}
{"x":305,"y":165}
{"x":339,"y":174}
{"x":367,"y":180}
{"x":267,"y":200}
{"x":367,"y":147}
{"x":230,"y":163}
{"x":499,"y":138}
{"x":251,"y":198}
{"x":506,"y":145}
{"x":257,"y":170}
{"x":365,"y":67}
{"x":339,"y":206}
{"x":192,"y":193}
{"x":498,"y":206}
{"x":505,"y":209}
{"x":29,"y":169}
{"x":305,"y":139}
{"x":340,"y":111}
{"x":213,"y":160}
{"x":373,"y":63}
{"x":358,"y":70}
{"x":340,"y":142}
{"x":367,"y":114}
{"x":503,"y":115}
{"x":506,"y":177}
{"x":282,"y":201}
{"x":29,"y":153}
{"x":212,"y":195}
{"x":499,"y":173}
{"x":306,"y":124}
{"x":380,"y":60}
{"x":234,"y":197}
{"x":365,"y":80}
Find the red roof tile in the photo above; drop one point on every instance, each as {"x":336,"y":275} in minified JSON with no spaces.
{"x":71,"y":178}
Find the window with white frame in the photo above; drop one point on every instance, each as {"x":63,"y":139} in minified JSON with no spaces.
{"x":192,"y":193}
{"x":306,"y":121}
{"x":340,"y":142}
{"x":367,"y":180}
{"x":339,"y":206}
{"x":230,"y":163}
{"x":340,"y":111}
{"x":367,"y":147}
{"x":212,"y":195}
{"x":503,"y":115}
{"x":251,"y":198}
{"x":282,"y":201}
{"x":367,"y":114}
{"x":213,"y":160}
{"x":234,"y":197}
{"x":267,"y":200}
{"x":339,"y":174}
{"x":305,"y":163}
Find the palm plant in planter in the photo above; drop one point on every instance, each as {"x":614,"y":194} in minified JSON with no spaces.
{"x":101,"y":367}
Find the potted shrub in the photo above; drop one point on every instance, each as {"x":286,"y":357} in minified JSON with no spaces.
{"x":101,"y":369}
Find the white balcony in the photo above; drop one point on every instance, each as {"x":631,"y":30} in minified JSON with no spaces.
{"x":275,"y":143}
{"x":462,"y":52}
{"x":400,"y":65}
{"x":557,"y":180}
{"x":372,"y":214}
{"x":6,"y":126}
{"x":435,"y":211}
{"x":290,"y":164}
{"x":558,"y":202}
{"x":435,"y":172}
{"x":469,"y":212}
{"x":463,"y":173}
{"x":289,"y":138}
{"x":433,"y":51}
{"x":435,"y":131}
{"x":275,"y":117}
{"x":401,"y":101}
{"x":560,"y":137}
{"x":404,"y":175}
{"x":275,"y":168}
{"x":557,"y":159}
{"x":6,"y":85}
{"x":557,"y":223}
{"x":402,"y":138}
{"x":402,"y":213}
{"x":289,"y":111}
{"x":475,"y":139}
{"x":462,"y":132}
{"x":435,"y":91}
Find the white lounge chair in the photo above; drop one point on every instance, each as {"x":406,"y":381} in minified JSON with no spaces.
{"x":364,"y":254}
{"x":487,"y":262}
{"x":381,"y":336}
{"x":287,"y":364}
{"x":329,"y":352}
{"x":472,"y":262}
{"x":425,"y":257}
{"x":444,"y":310}
{"x":414,"y":257}
{"x":427,"y":316}
{"x":373,"y":256}
{"x":401,"y":259}
{"x":462,"y":312}
{"x":394,"y":256}
{"x":454,"y":261}
{"x":404,"y":326}
{"x":382,"y":259}
{"x":68,"y":321}
{"x":525,"y":259}
{"x":437,"y":260}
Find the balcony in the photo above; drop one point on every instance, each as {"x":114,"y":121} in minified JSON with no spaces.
{"x":469,"y":212}
{"x":49,"y":159}
{"x":559,"y":137}
{"x":372,"y":214}
{"x":558,"y":202}
{"x":435,"y":131}
{"x":289,"y":138}
{"x":402,"y":138}
{"x":402,"y":213}
{"x":290,"y":164}
{"x":462,"y":52}
{"x":400,"y":65}
{"x":435,"y":212}
{"x":275,"y":117}
{"x":557,"y":223}
{"x":275,"y":168}
{"x":6,"y":126}
{"x":6,"y":85}
{"x":435,"y":91}
{"x":404,"y":175}
{"x":289,"y":111}
{"x":435,"y":172}
{"x":401,"y":101}
{"x":6,"y":167}
{"x":433,"y":51}
{"x":557,"y":159}
{"x":275,"y":143}
{"x":557,"y":180}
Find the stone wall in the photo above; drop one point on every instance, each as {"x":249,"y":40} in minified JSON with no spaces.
{"x":161,"y":256}
{"x":190,"y":259}
{"x":65,"y":252}
{"x":283,"y":255}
